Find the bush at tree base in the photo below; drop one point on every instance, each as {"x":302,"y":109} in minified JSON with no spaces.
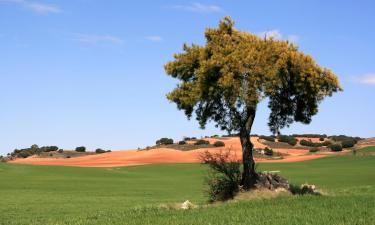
{"x":224,"y":177}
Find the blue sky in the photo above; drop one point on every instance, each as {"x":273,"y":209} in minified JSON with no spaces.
{"x":90,"y":72}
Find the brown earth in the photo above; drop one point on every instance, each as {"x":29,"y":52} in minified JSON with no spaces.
{"x":366,"y":142}
{"x":165,"y":155}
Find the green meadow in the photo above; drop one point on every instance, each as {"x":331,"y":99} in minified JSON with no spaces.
{"x":368,"y":149}
{"x":133,"y":195}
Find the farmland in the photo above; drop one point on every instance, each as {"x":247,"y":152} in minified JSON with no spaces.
{"x":133,"y":195}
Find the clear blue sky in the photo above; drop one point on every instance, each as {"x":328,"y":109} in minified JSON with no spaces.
{"x":90,"y":72}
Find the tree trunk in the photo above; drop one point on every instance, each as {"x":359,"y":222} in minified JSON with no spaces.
{"x":248,"y":175}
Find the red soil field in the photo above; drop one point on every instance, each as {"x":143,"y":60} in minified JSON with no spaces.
{"x":163,"y":156}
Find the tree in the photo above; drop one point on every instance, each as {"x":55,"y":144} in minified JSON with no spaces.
{"x":81,"y":149}
{"x":224,"y":80}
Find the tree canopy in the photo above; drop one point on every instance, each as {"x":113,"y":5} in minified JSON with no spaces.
{"x":224,"y":80}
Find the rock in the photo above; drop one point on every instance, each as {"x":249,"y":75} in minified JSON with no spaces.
{"x":271,"y":181}
{"x":187,"y":205}
{"x":308,"y":189}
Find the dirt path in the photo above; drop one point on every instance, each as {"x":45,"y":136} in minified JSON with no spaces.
{"x":162,"y":156}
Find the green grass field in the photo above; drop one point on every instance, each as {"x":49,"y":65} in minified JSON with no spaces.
{"x":368,"y":149}
{"x":132,"y":195}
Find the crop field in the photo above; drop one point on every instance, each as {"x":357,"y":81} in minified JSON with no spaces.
{"x":133,"y":195}
{"x":368,"y":149}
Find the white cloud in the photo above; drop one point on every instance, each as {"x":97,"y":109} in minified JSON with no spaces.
{"x":35,"y":6}
{"x":94,"y":39}
{"x":368,"y":79}
{"x":154,"y":38}
{"x":276,"y":34}
{"x":199,"y":8}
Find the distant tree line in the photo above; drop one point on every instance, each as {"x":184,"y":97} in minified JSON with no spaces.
{"x":33,"y":150}
{"x":36,"y":150}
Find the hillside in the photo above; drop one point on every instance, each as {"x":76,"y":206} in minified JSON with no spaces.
{"x":164,"y":155}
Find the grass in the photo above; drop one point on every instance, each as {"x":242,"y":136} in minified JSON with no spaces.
{"x":131,"y":195}
{"x":368,"y":149}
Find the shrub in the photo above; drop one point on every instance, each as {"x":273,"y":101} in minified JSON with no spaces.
{"x":24,"y":154}
{"x":33,"y":150}
{"x":321,"y":139}
{"x":304,"y":142}
{"x":348,"y":143}
{"x":314,"y":149}
{"x":3,"y":159}
{"x":81,"y":149}
{"x":327,"y":143}
{"x":336,"y":147}
{"x":164,"y":141}
{"x":310,"y":144}
{"x":267,"y":138}
{"x":310,"y":135}
{"x":318,"y":144}
{"x":100,"y":151}
{"x":219,"y":144}
{"x":224,"y":177}
{"x":60,"y":151}
{"x":49,"y":148}
{"x":34,"y":146}
{"x":53,"y":148}
{"x":182,"y":142}
{"x":108,"y":151}
{"x":230,"y":135}
{"x":268,"y":151}
{"x":292,"y":142}
{"x":341,"y":138}
{"x":202,"y":142}
{"x":190,"y":138}
{"x":287,"y":139}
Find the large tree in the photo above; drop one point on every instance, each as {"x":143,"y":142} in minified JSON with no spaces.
{"x":224,"y":80}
